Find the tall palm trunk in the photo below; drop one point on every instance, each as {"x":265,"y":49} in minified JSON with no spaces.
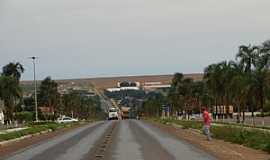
{"x":244,"y":116}
{"x":252,"y":115}
{"x":238,"y":113}
{"x":216,"y":103}
{"x":262,"y":107}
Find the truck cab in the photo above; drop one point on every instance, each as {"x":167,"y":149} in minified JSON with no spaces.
{"x":125,"y":112}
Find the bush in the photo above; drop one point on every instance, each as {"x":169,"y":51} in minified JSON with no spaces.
{"x":253,"y":138}
{"x":190,"y":124}
{"x":21,"y":133}
{"x":34,"y":127}
{"x":250,"y":137}
{"x":56,"y":126}
{"x":41,"y":123}
{"x":24,"y":116}
{"x":47,"y":117}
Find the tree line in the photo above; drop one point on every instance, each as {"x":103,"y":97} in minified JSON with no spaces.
{"x":242,"y":83}
{"x":15,"y":105}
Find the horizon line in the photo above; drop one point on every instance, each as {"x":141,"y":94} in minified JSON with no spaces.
{"x":114,"y":76}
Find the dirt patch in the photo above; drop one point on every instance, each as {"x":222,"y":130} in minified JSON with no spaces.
{"x":218,"y":148}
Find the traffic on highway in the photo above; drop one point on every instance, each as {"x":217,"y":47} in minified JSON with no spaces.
{"x":112,"y":140}
{"x":134,"y":80}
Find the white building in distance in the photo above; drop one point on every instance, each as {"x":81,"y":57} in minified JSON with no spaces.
{"x":124,"y":86}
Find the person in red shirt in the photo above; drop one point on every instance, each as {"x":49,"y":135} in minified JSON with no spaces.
{"x":206,"y":123}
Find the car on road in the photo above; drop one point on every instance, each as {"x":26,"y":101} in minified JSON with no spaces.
{"x":113,"y":114}
{"x":66,"y":120}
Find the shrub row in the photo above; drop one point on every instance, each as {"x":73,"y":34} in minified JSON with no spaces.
{"x":250,"y":137}
{"x":24,"y":116}
{"x":18,"y":134}
{"x":34,"y":128}
{"x":184,"y":123}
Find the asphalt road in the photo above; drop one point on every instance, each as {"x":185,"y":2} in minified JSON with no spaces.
{"x":112,"y":140}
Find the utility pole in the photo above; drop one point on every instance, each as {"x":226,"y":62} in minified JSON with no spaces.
{"x":35,"y":83}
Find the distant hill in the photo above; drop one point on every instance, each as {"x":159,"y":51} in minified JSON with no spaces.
{"x":107,"y":82}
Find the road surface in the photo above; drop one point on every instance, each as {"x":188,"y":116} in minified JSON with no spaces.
{"x":112,"y":140}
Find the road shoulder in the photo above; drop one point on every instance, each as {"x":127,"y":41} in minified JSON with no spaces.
{"x":32,"y":140}
{"x":218,"y":148}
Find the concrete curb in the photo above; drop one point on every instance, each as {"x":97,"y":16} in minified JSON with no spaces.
{"x":8,"y":142}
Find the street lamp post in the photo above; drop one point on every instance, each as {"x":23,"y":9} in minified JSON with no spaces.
{"x":35,"y":82}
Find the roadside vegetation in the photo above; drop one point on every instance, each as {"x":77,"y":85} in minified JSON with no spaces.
{"x":19,"y":108}
{"x":247,"y":136}
{"x":243,"y":83}
{"x":34,"y":128}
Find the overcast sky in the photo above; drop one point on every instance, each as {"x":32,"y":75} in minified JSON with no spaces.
{"x":89,"y":38}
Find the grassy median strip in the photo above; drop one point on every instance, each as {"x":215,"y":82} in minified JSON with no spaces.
{"x":34,"y":128}
{"x":246,"y":136}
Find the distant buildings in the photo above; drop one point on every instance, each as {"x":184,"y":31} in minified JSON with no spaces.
{"x":152,"y":86}
{"x":125,"y":85}
{"x":46,"y":110}
{"x":128,"y":84}
{"x":71,"y":87}
{"x":146,"y":86}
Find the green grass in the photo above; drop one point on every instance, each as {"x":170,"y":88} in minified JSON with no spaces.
{"x":250,"y":137}
{"x":247,"y":137}
{"x":184,"y":123}
{"x":18,"y":134}
{"x":34,"y":128}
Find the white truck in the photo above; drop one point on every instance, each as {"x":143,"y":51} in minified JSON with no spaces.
{"x":113,"y":114}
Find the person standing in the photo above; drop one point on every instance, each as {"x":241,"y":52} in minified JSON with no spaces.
{"x":206,"y":123}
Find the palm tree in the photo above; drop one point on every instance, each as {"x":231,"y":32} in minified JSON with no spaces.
{"x":212,"y":83}
{"x":240,"y":89}
{"x":174,"y":95}
{"x":48,"y":94}
{"x":215,"y":78}
{"x":71,"y":103}
{"x":176,"y":101}
{"x":14,"y":70}
{"x":184,"y":92}
{"x":177,"y":79}
{"x":260,"y":77}
{"x":198,"y":92}
{"x":9,"y":92}
{"x":153,"y":103}
{"x":247,"y":57}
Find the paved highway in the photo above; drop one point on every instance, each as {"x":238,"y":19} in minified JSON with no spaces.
{"x":112,"y":140}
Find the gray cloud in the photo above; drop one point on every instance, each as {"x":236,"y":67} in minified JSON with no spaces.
{"x":85,"y":38}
